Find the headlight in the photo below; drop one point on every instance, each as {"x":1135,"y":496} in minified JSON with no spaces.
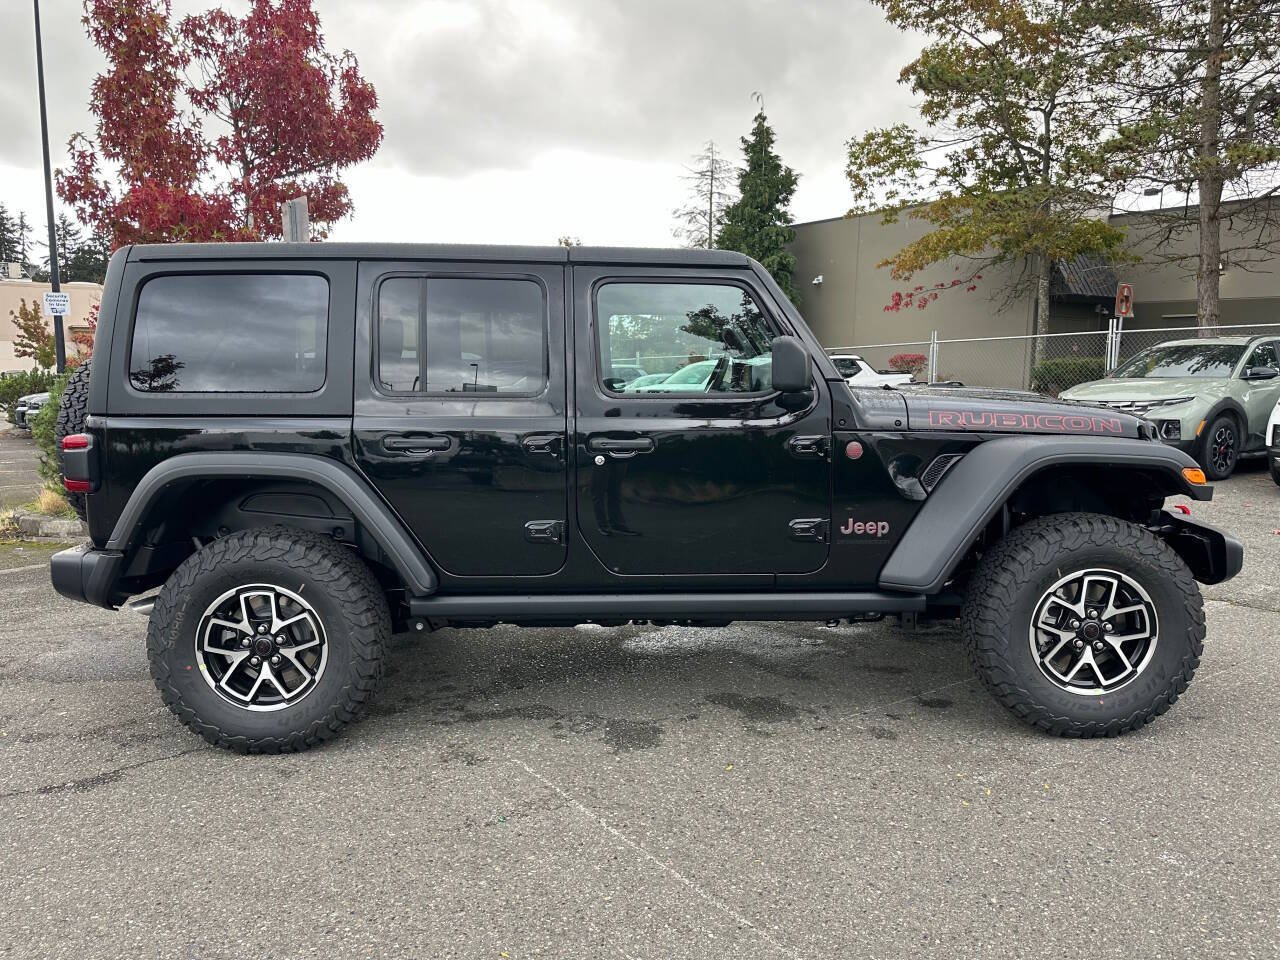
{"x":1170,"y":403}
{"x":1170,"y":429}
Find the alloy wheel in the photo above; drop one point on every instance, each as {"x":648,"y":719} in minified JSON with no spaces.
{"x":261,"y":647}
{"x":1093,"y":631}
{"x":1222,"y":449}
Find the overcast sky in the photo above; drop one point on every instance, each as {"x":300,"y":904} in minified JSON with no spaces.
{"x":519,"y":121}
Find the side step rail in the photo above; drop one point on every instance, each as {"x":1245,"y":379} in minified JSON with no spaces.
{"x":665,"y":606}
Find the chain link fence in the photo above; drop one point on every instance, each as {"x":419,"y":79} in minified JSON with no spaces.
{"x":1046,"y":364}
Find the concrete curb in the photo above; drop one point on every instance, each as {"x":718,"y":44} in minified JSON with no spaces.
{"x":54,"y":528}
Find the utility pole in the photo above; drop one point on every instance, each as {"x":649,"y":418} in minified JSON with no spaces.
{"x":59,"y":342}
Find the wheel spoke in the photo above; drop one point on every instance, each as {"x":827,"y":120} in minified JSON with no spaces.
{"x":237,"y":658}
{"x":1114,"y":644}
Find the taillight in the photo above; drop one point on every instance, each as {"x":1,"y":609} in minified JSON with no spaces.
{"x":76,"y":486}
{"x":75,"y":441}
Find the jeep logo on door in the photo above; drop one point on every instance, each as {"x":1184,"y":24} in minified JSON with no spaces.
{"x":879,"y":529}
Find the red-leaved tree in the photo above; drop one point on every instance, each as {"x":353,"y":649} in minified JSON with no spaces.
{"x":206,"y":125}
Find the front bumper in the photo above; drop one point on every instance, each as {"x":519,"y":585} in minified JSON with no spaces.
{"x":88,"y":575}
{"x":1212,"y":554}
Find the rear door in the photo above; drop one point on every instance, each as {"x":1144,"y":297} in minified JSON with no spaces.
{"x":460,"y":410}
{"x":709,"y":470}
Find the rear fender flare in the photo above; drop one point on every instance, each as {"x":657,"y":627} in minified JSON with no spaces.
{"x":966,"y":500}
{"x":338,"y":479}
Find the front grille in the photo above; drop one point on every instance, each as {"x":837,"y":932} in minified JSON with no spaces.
{"x":933,"y":473}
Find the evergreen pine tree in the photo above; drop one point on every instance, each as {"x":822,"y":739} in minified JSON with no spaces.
{"x":7,"y":236}
{"x":759,"y":223}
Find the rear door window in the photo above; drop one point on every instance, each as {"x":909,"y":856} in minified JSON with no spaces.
{"x":230,"y":333}
{"x":445,"y":335}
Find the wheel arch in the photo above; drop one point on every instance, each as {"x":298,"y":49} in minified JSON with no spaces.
{"x":299,"y":490}
{"x":1032,"y":475}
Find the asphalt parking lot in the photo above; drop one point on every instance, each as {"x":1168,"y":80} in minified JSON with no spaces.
{"x":763,"y":790}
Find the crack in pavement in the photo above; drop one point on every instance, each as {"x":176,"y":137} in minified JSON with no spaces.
{"x":85,"y":784}
{"x":647,"y":854}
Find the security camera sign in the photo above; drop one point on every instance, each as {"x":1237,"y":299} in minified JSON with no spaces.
{"x":57,"y":304}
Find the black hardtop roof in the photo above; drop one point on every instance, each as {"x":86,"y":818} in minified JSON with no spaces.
{"x":657,"y":256}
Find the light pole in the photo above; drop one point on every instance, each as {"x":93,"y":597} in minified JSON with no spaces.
{"x":59,"y":343}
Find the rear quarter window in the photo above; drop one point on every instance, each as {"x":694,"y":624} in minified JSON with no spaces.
{"x":230,"y":333}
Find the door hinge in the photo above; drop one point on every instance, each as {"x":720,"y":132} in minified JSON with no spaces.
{"x":544,"y":531}
{"x":809,"y":529}
{"x":814,"y":448}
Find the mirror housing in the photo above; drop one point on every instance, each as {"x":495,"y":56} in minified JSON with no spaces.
{"x":792,"y":365}
{"x":1261,"y":373}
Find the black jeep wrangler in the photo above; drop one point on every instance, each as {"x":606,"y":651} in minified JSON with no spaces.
{"x":306,"y":447}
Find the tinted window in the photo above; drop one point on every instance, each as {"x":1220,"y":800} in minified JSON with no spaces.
{"x":230,"y":333}
{"x":688,"y":337}
{"x":1184,"y":360}
{"x":1265,"y":356}
{"x":453,"y":335}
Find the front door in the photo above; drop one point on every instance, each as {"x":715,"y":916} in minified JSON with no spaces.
{"x":460,"y":410}
{"x":688,"y":461}
{"x":1260,"y":395}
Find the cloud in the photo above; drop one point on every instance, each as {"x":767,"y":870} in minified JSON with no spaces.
{"x":526,"y":119}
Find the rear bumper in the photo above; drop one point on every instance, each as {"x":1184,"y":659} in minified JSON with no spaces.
{"x":1212,"y":554}
{"x":88,"y":575}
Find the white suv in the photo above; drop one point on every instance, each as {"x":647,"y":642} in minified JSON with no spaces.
{"x":1273,"y":443}
{"x":858,"y":373}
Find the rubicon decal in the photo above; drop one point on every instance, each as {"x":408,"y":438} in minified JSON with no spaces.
{"x":864,"y":528}
{"x":1015,"y":420}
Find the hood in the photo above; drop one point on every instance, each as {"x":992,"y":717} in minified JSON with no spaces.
{"x":33,"y":398}
{"x":979,"y":410}
{"x":1139,"y":388}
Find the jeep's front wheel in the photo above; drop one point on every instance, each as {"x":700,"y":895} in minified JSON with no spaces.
{"x":268,"y":640}
{"x":1084,"y":625}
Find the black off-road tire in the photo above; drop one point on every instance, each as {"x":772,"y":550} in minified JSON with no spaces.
{"x":1206,"y":455}
{"x":346,"y":598}
{"x":1010,"y":582}
{"x":1275,"y":471}
{"x":71,"y":416}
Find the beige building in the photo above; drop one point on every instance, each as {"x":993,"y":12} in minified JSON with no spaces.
{"x":13,"y":292}
{"x":847,"y":307}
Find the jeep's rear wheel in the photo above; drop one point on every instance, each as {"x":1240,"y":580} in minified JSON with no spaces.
{"x":1084,"y":625}
{"x":268,"y":640}
{"x":71,"y":416}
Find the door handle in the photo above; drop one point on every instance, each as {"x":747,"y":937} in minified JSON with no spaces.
{"x":425,"y":446}
{"x":621,"y":448}
{"x":546,"y":444}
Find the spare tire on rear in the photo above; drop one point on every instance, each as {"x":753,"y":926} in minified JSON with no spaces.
{"x":71,"y":416}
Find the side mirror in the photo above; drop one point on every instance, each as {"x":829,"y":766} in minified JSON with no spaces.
{"x":792,"y":365}
{"x":1261,"y":373}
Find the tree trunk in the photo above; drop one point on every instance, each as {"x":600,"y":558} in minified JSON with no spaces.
{"x":1210,"y":179}
{"x":1044,"y":271}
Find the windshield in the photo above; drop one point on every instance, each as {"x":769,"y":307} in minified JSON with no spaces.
{"x":846,"y":366}
{"x":1183,"y":360}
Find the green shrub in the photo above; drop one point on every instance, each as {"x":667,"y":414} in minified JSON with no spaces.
{"x":42,"y":425}
{"x":19,"y":385}
{"x":1054,"y":376}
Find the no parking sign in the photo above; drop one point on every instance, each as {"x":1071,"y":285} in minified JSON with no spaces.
{"x":1124,"y":301}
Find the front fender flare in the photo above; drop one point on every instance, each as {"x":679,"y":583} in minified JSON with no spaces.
{"x":340,"y":480}
{"x":977,"y":486}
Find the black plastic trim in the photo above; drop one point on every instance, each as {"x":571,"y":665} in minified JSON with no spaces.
{"x":1212,"y":554}
{"x":666,"y":606}
{"x":87,"y":575}
{"x":974,"y":489}
{"x":340,"y":480}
